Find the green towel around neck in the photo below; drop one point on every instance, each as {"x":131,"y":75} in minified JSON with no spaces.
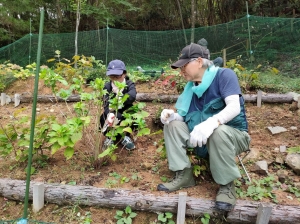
{"x":184,"y":100}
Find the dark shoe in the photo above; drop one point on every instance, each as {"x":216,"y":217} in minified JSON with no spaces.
{"x":183,"y":178}
{"x":226,"y":197}
{"x":127,"y":142}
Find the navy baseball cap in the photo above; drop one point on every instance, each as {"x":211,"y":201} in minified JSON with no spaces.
{"x":189,"y":52}
{"x":116,"y":67}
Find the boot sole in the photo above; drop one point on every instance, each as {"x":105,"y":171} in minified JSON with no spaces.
{"x":168,"y":191}
{"x":223,"y":206}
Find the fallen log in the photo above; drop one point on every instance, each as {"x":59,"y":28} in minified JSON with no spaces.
{"x":149,"y":97}
{"x":244,"y":212}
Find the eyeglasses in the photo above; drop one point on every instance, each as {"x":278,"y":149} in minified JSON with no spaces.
{"x":183,"y":67}
{"x":115,"y":76}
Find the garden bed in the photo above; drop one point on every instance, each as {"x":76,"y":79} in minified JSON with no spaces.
{"x":143,"y":168}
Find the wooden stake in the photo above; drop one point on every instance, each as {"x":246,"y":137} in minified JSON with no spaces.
{"x":264,"y":214}
{"x":181,"y":208}
{"x":259,"y":96}
{"x":3,"y":99}
{"x":38,"y":196}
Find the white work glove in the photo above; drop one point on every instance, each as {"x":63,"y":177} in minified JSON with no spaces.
{"x":167,"y":116}
{"x":110,"y":119}
{"x":202,"y":131}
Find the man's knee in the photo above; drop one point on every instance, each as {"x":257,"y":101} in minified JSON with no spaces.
{"x":173,"y":125}
{"x":219,"y":133}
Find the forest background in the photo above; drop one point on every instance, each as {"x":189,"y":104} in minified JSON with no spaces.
{"x":20,"y":17}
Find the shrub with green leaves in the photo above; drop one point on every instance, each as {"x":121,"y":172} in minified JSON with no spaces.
{"x":7,"y":74}
{"x":246,"y":78}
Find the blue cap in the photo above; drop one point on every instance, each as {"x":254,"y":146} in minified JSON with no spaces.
{"x":116,"y":67}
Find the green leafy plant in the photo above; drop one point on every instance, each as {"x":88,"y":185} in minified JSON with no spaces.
{"x":15,"y":138}
{"x":80,"y":67}
{"x":125,"y":216}
{"x":205,"y":219}
{"x":165,"y":218}
{"x":164,"y":179}
{"x":295,"y":149}
{"x":246,"y":78}
{"x":161,"y":148}
{"x":262,"y":188}
{"x":110,"y":183}
{"x":118,"y":178}
{"x":198,"y":169}
{"x":136,"y":176}
{"x":294,"y":190}
{"x":86,"y":219}
{"x":137,"y":77}
{"x":66,"y":135}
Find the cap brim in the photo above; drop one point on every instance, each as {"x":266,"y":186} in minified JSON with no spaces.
{"x":114,"y":72}
{"x":180,"y":63}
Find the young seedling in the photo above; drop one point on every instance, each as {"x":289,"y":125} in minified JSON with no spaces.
{"x":165,"y":218}
{"x":125,"y":216}
{"x":205,"y":219}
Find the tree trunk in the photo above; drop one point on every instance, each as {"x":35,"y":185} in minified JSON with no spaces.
{"x":244,"y":212}
{"x":192,"y":21}
{"x":182,"y":23}
{"x":149,"y":97}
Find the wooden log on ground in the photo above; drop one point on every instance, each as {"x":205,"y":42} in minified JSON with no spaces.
{"x":244,"y":212}
{"x":149,"y":97}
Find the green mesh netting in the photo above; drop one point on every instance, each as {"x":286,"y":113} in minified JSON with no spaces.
{"x":272,"y":39}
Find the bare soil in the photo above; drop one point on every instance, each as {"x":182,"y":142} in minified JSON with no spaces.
{"x":144,"y":161}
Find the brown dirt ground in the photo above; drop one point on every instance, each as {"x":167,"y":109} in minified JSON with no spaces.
{"x":144,"y":161}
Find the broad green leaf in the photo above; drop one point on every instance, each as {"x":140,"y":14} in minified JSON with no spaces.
{"x":61,"y":141}
{"x":76,"y":137}
{"x":144,"y":131}
{"x":169,"y":215}
{"x":161,"y":217}
{"x":120,"y":221}
{"x":105,"y":153}
{"x":23,"y":143}
{"x":54,"y":148}
{"x":127,"y":210}
{"x":119,"y":213}
{"x":56,"y":127}
{"x":69,"y":153}
{"x":132,"y":215}
{"x":128,"y":129}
